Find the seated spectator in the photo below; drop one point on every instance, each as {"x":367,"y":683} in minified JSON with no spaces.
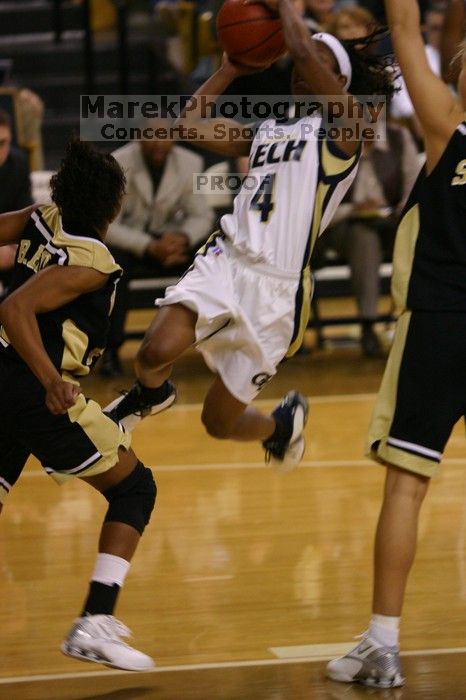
{"x":160,"y":226}
{"x":31,"y":112}
{"x":31,"y":108}
{"x":365,"y":223}
{"x":15,"y":186}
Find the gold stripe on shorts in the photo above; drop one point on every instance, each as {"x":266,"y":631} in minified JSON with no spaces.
{"x":384,"y":412}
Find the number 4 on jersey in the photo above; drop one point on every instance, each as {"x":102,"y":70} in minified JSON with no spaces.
{"x":262,"y":199}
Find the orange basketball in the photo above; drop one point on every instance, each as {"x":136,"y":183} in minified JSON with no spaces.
{"x":250,"y":34}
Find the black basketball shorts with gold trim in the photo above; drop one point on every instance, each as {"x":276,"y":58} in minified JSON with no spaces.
{"x":423,"y":391}
{"x":82,"y":442}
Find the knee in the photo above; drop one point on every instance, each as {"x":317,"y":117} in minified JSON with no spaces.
{"x":215,"y":426}
{"x":155,"y":353}
{"x":406,"y":485}
{"x":133,"y":499}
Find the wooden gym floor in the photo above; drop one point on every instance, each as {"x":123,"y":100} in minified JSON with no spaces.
{"x":246,"y":581}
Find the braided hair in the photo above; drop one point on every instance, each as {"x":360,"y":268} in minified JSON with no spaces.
{"x":374,"y":65}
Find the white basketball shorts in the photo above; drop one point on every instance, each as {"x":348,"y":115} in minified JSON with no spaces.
{"x":245,"y":315}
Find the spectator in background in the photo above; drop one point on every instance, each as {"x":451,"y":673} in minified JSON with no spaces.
{"x":31,"y":111}
{"x":317,"y":13}
{"x":433,"y":29}
{"x":365,"y":223}
{"x":32,"y":108}
{"x":161,"y":223}
{"x":453,"y":33}
{"x":15,"y":187}
{"x":351,"y":23}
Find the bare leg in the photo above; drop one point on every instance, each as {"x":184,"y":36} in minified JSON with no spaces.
{"x":396,"y":538}
{"x":375,"y":660}
{"x":227,"y":418}
{"x":171,"y":333}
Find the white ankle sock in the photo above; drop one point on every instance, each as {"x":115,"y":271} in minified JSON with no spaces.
{"x":110,"y":569}
{"x":385,"y":629}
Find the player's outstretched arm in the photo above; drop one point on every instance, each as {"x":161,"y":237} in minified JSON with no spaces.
{"x":215,"y":134}
{"x":436,"y":107}
{"x":51,"y":288}
{"x":12,"y":224}
{"x":317,"y":75}
{"x":303,"y":51}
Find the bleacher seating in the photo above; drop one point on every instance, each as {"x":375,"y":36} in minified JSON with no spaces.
{"x":56,"y":69}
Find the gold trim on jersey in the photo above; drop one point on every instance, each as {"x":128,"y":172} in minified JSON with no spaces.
{"x":302,"y":317}
{"x":84,"y":251}
{"x":321,"y":194}
{"x":337,"y":169}
{"x":403,"y":255}
{"x":333,"y":165}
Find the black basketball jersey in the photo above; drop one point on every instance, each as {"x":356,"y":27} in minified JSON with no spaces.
{"x":74,"y":335}
{"x":429,"y":263}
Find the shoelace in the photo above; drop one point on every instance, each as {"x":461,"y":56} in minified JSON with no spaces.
{"x":113,"y":627}
{"x":137,"y":405}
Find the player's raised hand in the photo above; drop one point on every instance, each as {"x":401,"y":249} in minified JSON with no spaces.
{"x":61,"y":395}
{"x":236,"y":69}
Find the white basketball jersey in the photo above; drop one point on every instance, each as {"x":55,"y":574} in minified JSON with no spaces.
{"x":294,"y":185}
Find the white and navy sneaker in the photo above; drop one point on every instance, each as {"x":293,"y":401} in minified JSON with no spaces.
{"x":134,"y":405}
{"x":369,"y":663}
{"x":285,"y":451}
{"x":97,"y":638}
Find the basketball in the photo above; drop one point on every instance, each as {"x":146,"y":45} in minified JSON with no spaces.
{"x":250,"y":34}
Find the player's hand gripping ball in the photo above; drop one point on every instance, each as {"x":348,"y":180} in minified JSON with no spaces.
{"x":251,"y":34}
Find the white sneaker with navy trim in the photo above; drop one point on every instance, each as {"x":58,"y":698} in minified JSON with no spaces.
{"x":286,"y":453}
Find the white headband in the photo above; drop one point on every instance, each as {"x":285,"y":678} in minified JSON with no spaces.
{"x":340,"y":53}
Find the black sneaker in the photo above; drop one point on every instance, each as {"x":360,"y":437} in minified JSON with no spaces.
{"x":286,"y":453}
{"x":132,"y":407}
